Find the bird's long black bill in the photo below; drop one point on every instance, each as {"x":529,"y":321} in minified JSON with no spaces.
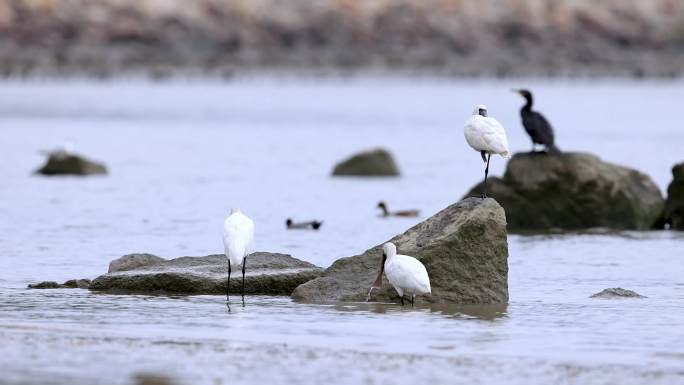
{"x":378,"y":281}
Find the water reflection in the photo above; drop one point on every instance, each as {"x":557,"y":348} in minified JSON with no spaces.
{"x":481,"y":312}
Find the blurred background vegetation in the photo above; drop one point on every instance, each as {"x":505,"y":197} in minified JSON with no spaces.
{"x":161,"y":38}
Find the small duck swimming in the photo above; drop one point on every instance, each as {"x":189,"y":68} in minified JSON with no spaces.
{"x":401,"y":213}
{"x":314,"y":225}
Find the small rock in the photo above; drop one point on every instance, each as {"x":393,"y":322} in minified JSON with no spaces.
{"x":573,"y":191}
{"x":617,"y":292}
{"x":266,"y":274}
{"x":378,"y":162}
{"x":63,"y":163}
{"x":463,"y":247}
{"x":133,"y":261}
{"x":674,"y":206}
{"x":70,"y":284}
{"x":45,"y":285}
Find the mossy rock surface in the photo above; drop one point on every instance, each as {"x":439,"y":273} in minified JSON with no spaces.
{"x":266,"y":274}
{"x":574,"y":191}
{"x":463,"y":247}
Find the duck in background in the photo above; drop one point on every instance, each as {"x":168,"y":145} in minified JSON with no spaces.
{"x":310,"y":225}
{"x":401,"y":213}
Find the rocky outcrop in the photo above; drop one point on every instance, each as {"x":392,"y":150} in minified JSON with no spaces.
{"x":617,"y":292}
{"x":63,"y":163}
{"x":376,"y":162}
{"x":133,"y":261}
{"x":571,"y":191}
{"x":266,"y":273}
{"x":463,"y":247}
{"x":674,"y":207}
{"x":70,"y":284}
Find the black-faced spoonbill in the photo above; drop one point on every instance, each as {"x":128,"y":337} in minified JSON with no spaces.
{"x":238,"y":242}
{"x":486,"y":135}
{"x":406,"y":274}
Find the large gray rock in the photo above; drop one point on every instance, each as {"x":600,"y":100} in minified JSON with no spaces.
{"x":376,"y":162}
{"x":63,"y":163}
{"x":267,"y":273}
{"x":570,"y":191}
{"x":463,"y":247}
{"x":674,"y":207}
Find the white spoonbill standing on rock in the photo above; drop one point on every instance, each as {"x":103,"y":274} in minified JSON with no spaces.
{"x":405,"y":273}
{"x":238,"y":242}
{"x":486,"y":135}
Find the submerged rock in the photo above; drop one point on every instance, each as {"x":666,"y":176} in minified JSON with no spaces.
{"x":64,"y":163}
{"x":463,"y":247}
{"x":378,"y":162}
{"x":617,"y":292}
{"x":674,"y":207}
{"x":70,"y":284}
{"x":574,"y":191}
{"x":267,"y":273}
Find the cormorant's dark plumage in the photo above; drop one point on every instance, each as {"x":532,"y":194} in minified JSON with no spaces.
{"x":538,"y":128}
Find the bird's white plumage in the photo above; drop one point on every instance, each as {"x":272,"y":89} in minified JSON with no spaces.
{"x":238,"y":237}
{"x":486,"y":134}
{"x":406,"y":274}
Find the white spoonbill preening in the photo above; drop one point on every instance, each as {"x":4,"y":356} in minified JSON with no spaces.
{"x":238,"y":242}
{"x":406,"y":274}
{"x":486,"y":135}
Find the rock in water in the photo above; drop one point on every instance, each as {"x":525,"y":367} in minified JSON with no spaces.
{"x":674,"y":207}
{"x":133,"y":261}
{"x":267,"y":273}
{"x":70,"y":284}
{"x":377,"y":162}
{"x":572,"y":191}
{"x":463,"y":247}
{"x":63,"y":163}
{"x":617,"y":292}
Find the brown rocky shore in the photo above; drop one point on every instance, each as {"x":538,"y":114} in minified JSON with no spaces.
{"x":104,"y":38}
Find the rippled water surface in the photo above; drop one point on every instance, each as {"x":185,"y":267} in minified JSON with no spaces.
{"x":181,"y":154}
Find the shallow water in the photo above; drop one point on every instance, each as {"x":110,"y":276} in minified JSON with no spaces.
{"x":181,"y":154}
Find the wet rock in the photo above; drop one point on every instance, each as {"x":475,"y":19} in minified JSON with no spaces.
{"x":463,"y":247}
{"x":571,"y":191}
{"x":70,"y":284}
{"x":63,"y":163}
{"x":267,"y":273}
{"x":133,"y":261}
{"x":674,"y":207}
{"x":617,"y":292}
{"x":378,"y":162}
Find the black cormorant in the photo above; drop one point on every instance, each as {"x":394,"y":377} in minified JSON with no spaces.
{"x":538,"y":128}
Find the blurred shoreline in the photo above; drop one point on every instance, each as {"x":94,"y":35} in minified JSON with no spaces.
{"x":445,"y":38}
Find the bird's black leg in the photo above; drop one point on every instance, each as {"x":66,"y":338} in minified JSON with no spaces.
{"x":402,"y":300}
{"x":482,"y":154}
{"x":228,"y":282}
{"x":244,"y":264}
{"x":484,"y":195}
{"x":413,"y":297}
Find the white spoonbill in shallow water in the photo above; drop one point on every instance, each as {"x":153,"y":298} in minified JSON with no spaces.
{"x":406,"y":274}
{"x":238,"y":242}
{"x":486,"y":135}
